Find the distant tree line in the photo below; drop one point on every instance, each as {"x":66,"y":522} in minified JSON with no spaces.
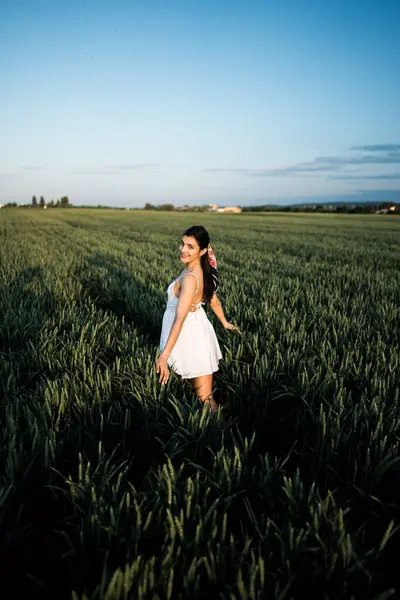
{"x":367,"y":208}
{"x":390,"y":208}
{"x":170,"y":207}
{"x":59,"y":203}
{"x":62,"y":202}
{"x":149,"y":206}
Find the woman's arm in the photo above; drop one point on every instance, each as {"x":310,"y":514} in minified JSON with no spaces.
{"x":218,"y":310}
{"x":186,"y":297}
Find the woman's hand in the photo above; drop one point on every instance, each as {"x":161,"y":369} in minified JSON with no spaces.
{"x":230,"y":326}
{"x":162,"y":368}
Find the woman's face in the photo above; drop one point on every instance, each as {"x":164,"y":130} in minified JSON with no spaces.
{"x":189,"y":249}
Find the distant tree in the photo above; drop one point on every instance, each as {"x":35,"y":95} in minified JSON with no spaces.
{"x":166,"y":207}
{"x":34,"y":202}
{"x":57,"y":203}
{"x":64,"y":202}
{"x":42,"y":202}
{"x":148,"y":206}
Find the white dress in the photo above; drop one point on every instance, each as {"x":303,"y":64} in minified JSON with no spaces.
{"x":196,"y":351}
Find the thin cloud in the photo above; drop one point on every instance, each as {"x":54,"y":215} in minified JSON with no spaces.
{"x":356,"y":196}
{"x":378,"y":148}
{"x":94,"y":172}
{"x":318,"y":165}
{"x":32,"y":167}
{"x":115,"y":169}
{"x":380,"y":154}
{"x":138,"y":166}
{"x":360,"y":176}
{"x":298,"y":169}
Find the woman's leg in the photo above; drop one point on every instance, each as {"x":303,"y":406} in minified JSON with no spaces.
{"x":203,"y":388}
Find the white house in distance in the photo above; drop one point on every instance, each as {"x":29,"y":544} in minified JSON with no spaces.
{"x":224,"y":209}
{"x":385,"y":211}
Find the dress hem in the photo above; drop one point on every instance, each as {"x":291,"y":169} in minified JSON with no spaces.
{"x":191,"y":376}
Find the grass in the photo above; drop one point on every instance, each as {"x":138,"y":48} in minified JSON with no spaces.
{"x":113,"y":486}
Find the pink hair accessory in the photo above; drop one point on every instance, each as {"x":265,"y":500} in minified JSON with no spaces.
{"x":211,"y":257}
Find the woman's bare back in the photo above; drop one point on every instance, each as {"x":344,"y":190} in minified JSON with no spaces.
{"x":199,"y":294}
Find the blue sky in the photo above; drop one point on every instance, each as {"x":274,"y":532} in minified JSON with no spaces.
{"x":127,"y":102}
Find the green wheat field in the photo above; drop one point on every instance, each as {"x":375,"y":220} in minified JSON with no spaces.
{"x":115,"y":487}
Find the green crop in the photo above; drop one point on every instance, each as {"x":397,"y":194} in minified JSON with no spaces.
{"x":115,"y":487}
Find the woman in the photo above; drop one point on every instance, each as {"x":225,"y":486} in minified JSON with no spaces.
{"x":188,"y":342}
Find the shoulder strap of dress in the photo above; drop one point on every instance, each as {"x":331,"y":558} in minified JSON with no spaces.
{"x":198,"y":280}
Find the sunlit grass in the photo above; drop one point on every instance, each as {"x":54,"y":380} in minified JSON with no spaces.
{"x":113,"y":486}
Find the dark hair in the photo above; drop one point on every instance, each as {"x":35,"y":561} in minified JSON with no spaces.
{"x":210,"y":274}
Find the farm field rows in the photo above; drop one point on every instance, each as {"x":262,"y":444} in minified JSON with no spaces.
{"x":113,"y":486}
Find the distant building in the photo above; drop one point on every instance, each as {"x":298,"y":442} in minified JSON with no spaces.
{"x":1,"y":206}
{"x":224,"y":209}
{"x":384,"y":211}
{"x":230,"y":209}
